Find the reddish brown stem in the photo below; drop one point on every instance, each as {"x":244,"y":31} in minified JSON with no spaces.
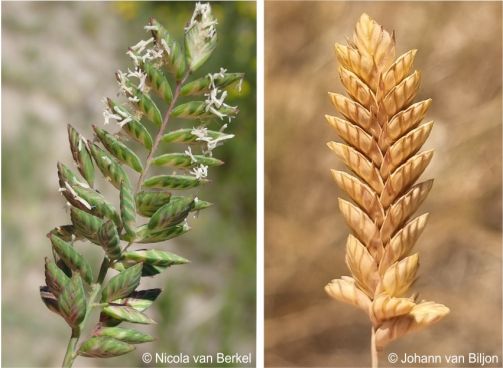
{"x":159,"y":135}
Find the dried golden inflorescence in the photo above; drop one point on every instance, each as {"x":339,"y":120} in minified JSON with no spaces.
{"x":382,"y":132}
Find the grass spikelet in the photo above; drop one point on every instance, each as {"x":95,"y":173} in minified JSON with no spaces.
{"x":383,"y":132}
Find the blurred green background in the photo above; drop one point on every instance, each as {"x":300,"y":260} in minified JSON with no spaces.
{"x":459,"y":56}
{"x":58,"y":62}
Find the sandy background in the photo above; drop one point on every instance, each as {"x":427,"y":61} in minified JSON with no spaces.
{"x":459,"y":56}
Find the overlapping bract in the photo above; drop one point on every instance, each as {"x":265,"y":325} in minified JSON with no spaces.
{"x":382,"y":132}
{"x":71,"y":288}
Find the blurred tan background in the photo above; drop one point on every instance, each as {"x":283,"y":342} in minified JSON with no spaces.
{"x":459,"y":56}
{"x":58,"y":62}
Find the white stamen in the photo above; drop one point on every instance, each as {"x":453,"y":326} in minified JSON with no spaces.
{"x":213,"y":101}
{"x":200,"y":172}
{"x":133,"y":56}
{"x":200,"y":132}
{"x":122,"y":117}
{"x":121,"y":112}
{"x":125,"y":121}
{"x":166,"y":46}
{"x":188,"y":152}
{"x":149,"y":27}
{"x":217,"y":113}
{"x":202,"y":135}
{"x":152,"y":54}
{"x":140,"y":46}
{"x":107,"y":115}
{"x":206,"y":21}
{"x":142,"y":77}
{"x":215,"y":142}
{"x":128,"y":91}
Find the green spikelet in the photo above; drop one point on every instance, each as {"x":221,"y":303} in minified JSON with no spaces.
{"x":109,"y":240}
{"x":133,"y":128}
{"x":128,"y":210}
{"x":120,"y":151}
{"x":81,"y":155}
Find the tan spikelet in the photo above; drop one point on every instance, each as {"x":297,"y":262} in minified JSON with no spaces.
{"x":370,"y":38}
{"x":353,"y":111}
{"x":403,"y":208}
{"x":362,"y":265}
{"x":421,"y":315}
{"x":357,"y":137}
{"x":360,"y":164}
{"x":383,"y":132}
{"x":361,"y":65}
{"x":358,"y":90}
{"x":402,"y":243}
{"x":363,"y":227}
{"x":403,"y":148}
{"x":398,"y":71}
{"x":402,"y":122}
{"x":347,"y":292}
{"x":401,"y":95}
{"x":362,"y":194}
{"x":404,"y":176}
{"x":398,"y":278}
{"x":386,"y":307}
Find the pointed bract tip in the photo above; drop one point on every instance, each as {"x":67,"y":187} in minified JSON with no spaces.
{"x":330,"y":119}
{"x":338,"y":46}
{"x":332,"y":145}
{"x":365,"y":16}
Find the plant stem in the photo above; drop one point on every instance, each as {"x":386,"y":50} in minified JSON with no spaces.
{"x":161,"y":130}
{"x":373,"y":349}
{"x":71,"y":350}
{"x":103,"y":271}
{"x":71,"y":347}
{"x":158,"y":139}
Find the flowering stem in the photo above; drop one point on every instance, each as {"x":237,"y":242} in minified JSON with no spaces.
{"x":103,"y":270}
{"x":71,"y":347}
{"x":161,"y":131}
{"x":158,"y":139}
{"x":127,"y":246}
{"x":373,"y":349}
